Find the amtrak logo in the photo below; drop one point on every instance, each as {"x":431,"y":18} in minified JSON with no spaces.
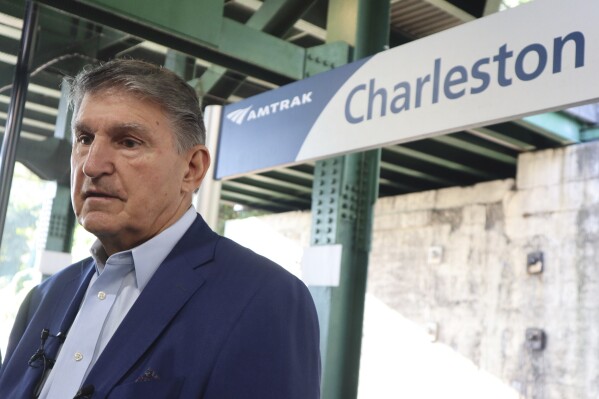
{"x":239,"y":116}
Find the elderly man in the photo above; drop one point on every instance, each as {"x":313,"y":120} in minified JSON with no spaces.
{"x":164,"y":308}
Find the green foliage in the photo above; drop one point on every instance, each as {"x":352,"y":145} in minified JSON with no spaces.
{"x":15,"y":253}
{"x":17,"y":250}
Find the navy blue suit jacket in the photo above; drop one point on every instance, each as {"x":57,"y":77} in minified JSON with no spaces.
{"x":216,"y":321}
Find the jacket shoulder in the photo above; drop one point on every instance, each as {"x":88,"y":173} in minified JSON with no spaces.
{"x":244,"y":261}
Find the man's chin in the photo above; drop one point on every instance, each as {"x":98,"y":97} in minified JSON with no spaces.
{"x":99,"y":225}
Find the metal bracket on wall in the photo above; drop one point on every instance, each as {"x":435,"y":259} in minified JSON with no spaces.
{"x":534,"y":262}
{"x":536,"y":339}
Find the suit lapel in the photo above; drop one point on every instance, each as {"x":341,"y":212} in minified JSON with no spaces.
{"x":173,"y":284}
{"x":65,"y":306}
{"x":82,"y":282}
{"x":78,"y":286}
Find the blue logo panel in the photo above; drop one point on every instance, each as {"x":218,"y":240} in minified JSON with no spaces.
{"x":269,"y":129}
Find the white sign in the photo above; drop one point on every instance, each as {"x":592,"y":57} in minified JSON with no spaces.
{"x":321,"y":265}
{"x":538,"y":57}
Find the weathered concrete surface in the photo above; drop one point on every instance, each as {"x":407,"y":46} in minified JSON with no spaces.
{"x":478,"y":294}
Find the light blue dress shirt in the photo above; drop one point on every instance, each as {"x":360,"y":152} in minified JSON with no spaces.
{"x":112,"y":291}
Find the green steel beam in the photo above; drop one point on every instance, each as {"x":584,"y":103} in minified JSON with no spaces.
{"x":342,"y":214}
{"x":62,"y":221}
{"x":501,"y":139}
{"x":296,"y":173}
{"x":63,"y":41}
{"x":372,"y":28}
{"x":306,"y":167}
{"x":69,"y":42}
{"x":488,"y":143}
{"x":65,"y":44}
{"x":519,"y":131}
{"x":274,"y":17}
{"x":217,"y":40}
{"x":417,"y":174}
{"x":188,"y":19}
{"x":58,"y":26}
{"x":259,"y":48}
{"x":325,"y":57}
{"x":404,"y":183}
{"x":277,"y":17}
{"x":342,"y":21}
{"x":292,"y":175}
{"x":554,"y":125}
{"x":463,"y":156}
{"x":207,"y":84}
{"x":590,"y":133}
{"x":275,"y":184}
{"x":395,"y":186}
{"x":249,"y":189}
{"x":252,"y":201}
{"x":344,"y":191}
{"x":473,"y":148}
{"x":265,"y":192}
{"x":439,"y":161}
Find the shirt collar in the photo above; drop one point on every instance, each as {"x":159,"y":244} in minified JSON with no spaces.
{"x":149,"y":255}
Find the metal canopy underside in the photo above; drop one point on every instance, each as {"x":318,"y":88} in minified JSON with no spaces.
{"x":68,"y":42}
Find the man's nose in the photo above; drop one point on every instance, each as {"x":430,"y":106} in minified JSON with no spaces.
{"x":98,"y":160}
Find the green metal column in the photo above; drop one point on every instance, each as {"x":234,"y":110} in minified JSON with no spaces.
{"x":62,"y":221}
{"x":344,"y":192}
{"x":62,"y":218}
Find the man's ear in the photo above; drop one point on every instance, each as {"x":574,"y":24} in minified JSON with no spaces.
{"x":198,"y":162}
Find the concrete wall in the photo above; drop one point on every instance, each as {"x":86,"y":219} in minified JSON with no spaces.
{"x":449,"y":297}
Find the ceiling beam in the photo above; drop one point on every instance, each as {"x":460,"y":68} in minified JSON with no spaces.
{"x":475,"y":148}
{"x":554,"y":125}
{"x":234,"y":46}
{"x":260,"y":192}
{"x":441,"y":161}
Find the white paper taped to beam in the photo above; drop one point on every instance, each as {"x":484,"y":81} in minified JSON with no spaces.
{"x":321,"y":265}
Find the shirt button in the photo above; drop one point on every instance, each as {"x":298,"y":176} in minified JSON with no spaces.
{"x":78,"y":356}
{"x":101,"y":295}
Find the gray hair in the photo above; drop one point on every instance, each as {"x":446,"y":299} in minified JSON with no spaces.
{"x":148,"y":81}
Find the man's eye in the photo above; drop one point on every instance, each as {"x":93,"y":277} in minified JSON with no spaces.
{"x":84,"y":139}
{"x":129,"y":143}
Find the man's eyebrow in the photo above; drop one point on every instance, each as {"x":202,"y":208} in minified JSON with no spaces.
{"x":114,"y":129}
{"x":128,"y":127}
{"x":80,"y":127}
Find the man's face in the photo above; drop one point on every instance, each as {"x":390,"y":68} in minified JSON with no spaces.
{"x":128,"y":181}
